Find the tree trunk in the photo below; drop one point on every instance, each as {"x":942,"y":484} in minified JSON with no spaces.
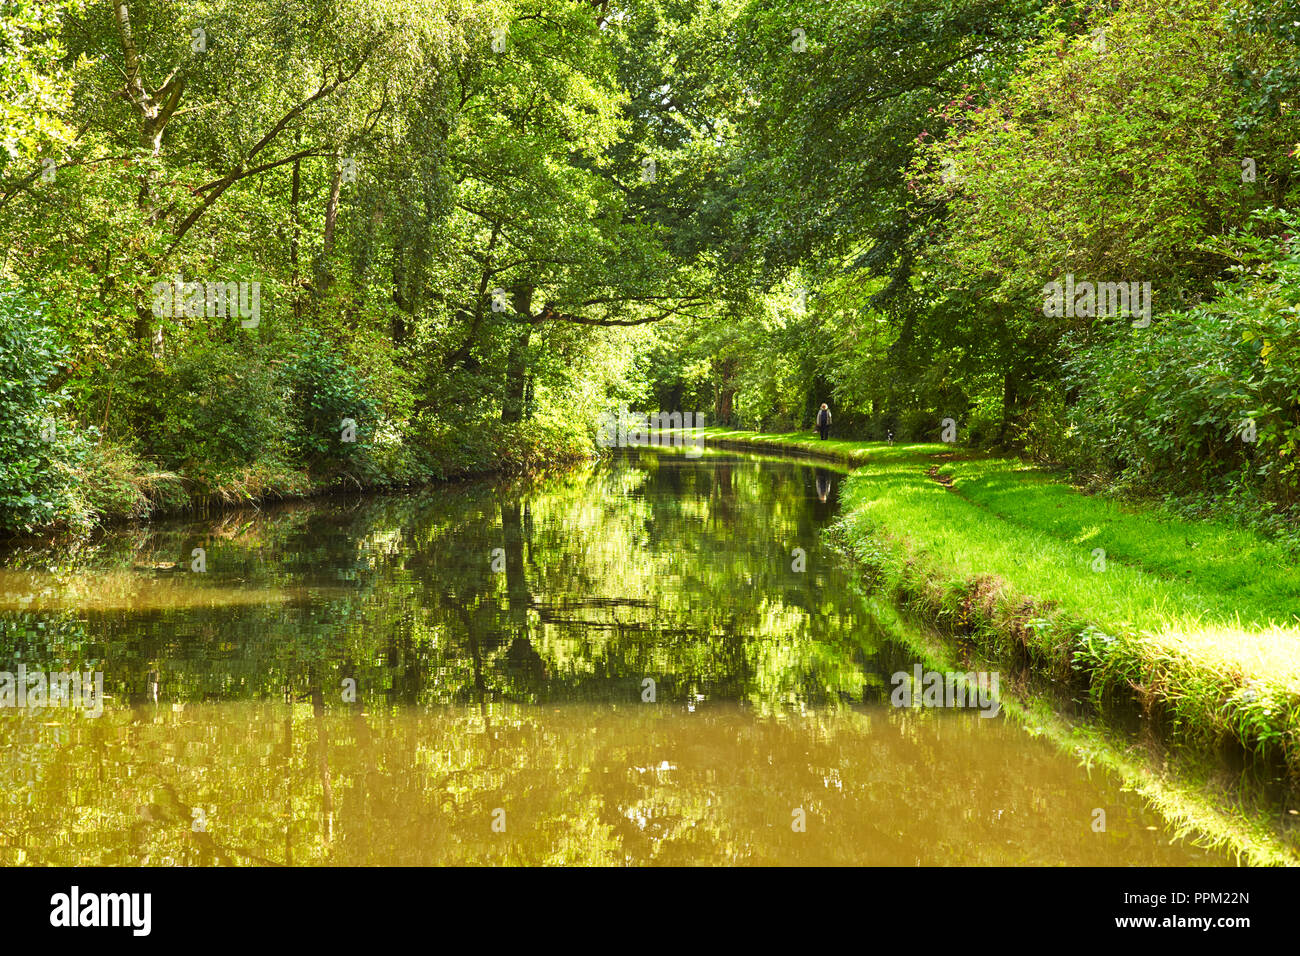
{"x":294,"y":227}
{"x":512,"y":404}
{"x":155,"y":111}
{"x":324,"y":276}
{"x":1008,"y":404}
{"x":722,"y":406}
{"x":725,"y":393}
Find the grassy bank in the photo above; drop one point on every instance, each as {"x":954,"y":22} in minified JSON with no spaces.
{"x":1195,"y":622}
{"x":1185,"y":797}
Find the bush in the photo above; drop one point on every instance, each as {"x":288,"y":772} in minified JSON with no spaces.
{"x":919,"y":424}
{"x":323,"y":392}
{"x":117,"y":484}
{"x":222,"y":410}
{"x":488,"y":445}
{"x":1209,"y":398}
{"x":37,"y":450}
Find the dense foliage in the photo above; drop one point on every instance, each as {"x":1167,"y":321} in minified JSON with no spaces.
{"x":34,"y":448}
{"x":289,"y":244}
{"x":469,"y":227}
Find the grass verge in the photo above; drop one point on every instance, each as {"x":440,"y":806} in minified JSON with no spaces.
{"x":1197,"y":623}
{"x":1198,"y":807}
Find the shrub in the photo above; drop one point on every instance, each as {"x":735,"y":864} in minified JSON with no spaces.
{"x":1207,"y":398}
{"x":117,"y":484}
{"x":222,"y":410}
{"x":322,"y":393}
{"x":36,"y":448}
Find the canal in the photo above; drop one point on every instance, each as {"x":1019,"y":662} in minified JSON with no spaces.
{"x":654,"y":659}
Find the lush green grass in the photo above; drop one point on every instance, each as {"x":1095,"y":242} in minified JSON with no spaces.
{"x":1187,"y":795}
{"x":853,"y":452}
{"x":1221,"y":574}
{"x":1196,"y":620}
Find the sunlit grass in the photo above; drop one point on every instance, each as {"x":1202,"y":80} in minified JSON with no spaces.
{"x":855,"y":452}
{"x":1180,"y":623}
{"x":1186,"y":796}
{"x":1230,"y":572}
{"x":1199,"y":620}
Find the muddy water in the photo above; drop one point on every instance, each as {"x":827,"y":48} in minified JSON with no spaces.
{"x":651,"y":661}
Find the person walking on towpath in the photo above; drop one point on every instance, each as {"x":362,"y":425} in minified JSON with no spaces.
{"x":823,"y":421}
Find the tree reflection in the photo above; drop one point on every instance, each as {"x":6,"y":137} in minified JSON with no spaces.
{"x":518,"y":690}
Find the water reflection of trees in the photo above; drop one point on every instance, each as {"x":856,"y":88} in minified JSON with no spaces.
{"x":664,"y":569}
{"x":305,"y":783}
{"x":669,"y":569}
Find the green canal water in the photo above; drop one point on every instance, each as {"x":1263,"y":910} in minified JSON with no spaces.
{"x":651,"y":660}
